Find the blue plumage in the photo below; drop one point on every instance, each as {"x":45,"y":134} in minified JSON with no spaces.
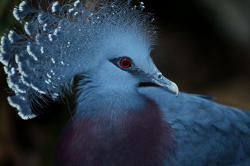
{"x":74,"y":32}
{"x":207,"y":133}
{"x":98,"y":54}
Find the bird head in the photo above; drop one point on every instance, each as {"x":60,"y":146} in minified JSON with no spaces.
{"x":123,"y":63}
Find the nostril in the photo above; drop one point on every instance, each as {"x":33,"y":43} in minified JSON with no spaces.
{"x":160,"y":76}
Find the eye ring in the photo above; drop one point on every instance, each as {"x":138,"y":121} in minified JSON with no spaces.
{"x":125,"y":62}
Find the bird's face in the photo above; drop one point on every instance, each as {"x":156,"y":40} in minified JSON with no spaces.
{"x":126,"y":64}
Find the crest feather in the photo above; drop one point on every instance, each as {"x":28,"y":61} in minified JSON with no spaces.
{"x":56,"y":43}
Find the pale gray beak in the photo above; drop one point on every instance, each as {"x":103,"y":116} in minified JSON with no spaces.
{"x":163,"y":82}
{"x":157,"y":79}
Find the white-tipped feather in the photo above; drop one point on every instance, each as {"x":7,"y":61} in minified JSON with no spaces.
{"x":55,"y":7}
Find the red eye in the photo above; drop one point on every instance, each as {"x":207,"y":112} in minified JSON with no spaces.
{"x":125,"y":63}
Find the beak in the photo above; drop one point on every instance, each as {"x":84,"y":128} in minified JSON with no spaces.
{"x":159,"y":80}
{"x":165,"y":83}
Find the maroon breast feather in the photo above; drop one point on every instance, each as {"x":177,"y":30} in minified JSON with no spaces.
{"x":137,"y":138}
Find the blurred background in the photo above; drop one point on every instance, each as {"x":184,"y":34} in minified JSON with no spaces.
{"x":203,"y":46}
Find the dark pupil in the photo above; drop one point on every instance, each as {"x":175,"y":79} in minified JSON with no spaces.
{"x":125,"y":63}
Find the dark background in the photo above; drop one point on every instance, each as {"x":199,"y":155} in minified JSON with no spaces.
{"x":204,"y":46}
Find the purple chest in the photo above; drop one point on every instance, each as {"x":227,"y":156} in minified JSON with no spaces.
{"x":139,"y":138}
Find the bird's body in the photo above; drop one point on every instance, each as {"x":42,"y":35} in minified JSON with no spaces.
{"x":99,"y":59}
{"x":179,"y":130}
